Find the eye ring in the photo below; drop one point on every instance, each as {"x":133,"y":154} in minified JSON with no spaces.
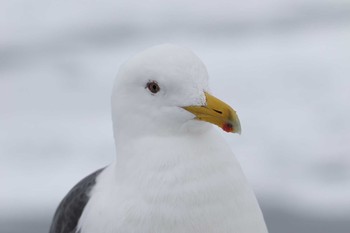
{"x":153,"y":87}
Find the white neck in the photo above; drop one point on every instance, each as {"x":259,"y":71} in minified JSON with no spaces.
{"x":196,"y":185}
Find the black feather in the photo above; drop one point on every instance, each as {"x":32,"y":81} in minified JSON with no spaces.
{"x":71,"y":207}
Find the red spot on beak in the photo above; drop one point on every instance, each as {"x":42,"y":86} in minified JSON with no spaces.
{"x":228,"y":127}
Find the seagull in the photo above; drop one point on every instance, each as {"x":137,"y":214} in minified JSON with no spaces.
{"x":174,"y":173}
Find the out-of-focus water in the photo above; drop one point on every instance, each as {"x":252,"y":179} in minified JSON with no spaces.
{"x":284,"y":66}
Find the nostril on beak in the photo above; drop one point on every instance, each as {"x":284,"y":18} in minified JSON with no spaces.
{"x":217,"y":111}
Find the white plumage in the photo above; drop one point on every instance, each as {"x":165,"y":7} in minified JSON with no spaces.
{"x":173,"y":173}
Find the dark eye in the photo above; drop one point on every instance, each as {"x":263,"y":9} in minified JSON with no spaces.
{"x":153,"y":87}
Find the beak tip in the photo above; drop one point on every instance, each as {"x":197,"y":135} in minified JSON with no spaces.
{"x":233,"y":125}
{"x":238,"y":129}
{"x":237,"y":125}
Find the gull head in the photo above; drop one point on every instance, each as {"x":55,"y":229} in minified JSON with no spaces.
{"x":164,"y":91}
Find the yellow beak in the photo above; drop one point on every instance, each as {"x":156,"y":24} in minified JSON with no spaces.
{"x":218,"y":113}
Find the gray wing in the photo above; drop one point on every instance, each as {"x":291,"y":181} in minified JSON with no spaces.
{"x":71,"y":207}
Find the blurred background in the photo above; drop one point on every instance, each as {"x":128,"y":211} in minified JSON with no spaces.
{"x":283,"y":65}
